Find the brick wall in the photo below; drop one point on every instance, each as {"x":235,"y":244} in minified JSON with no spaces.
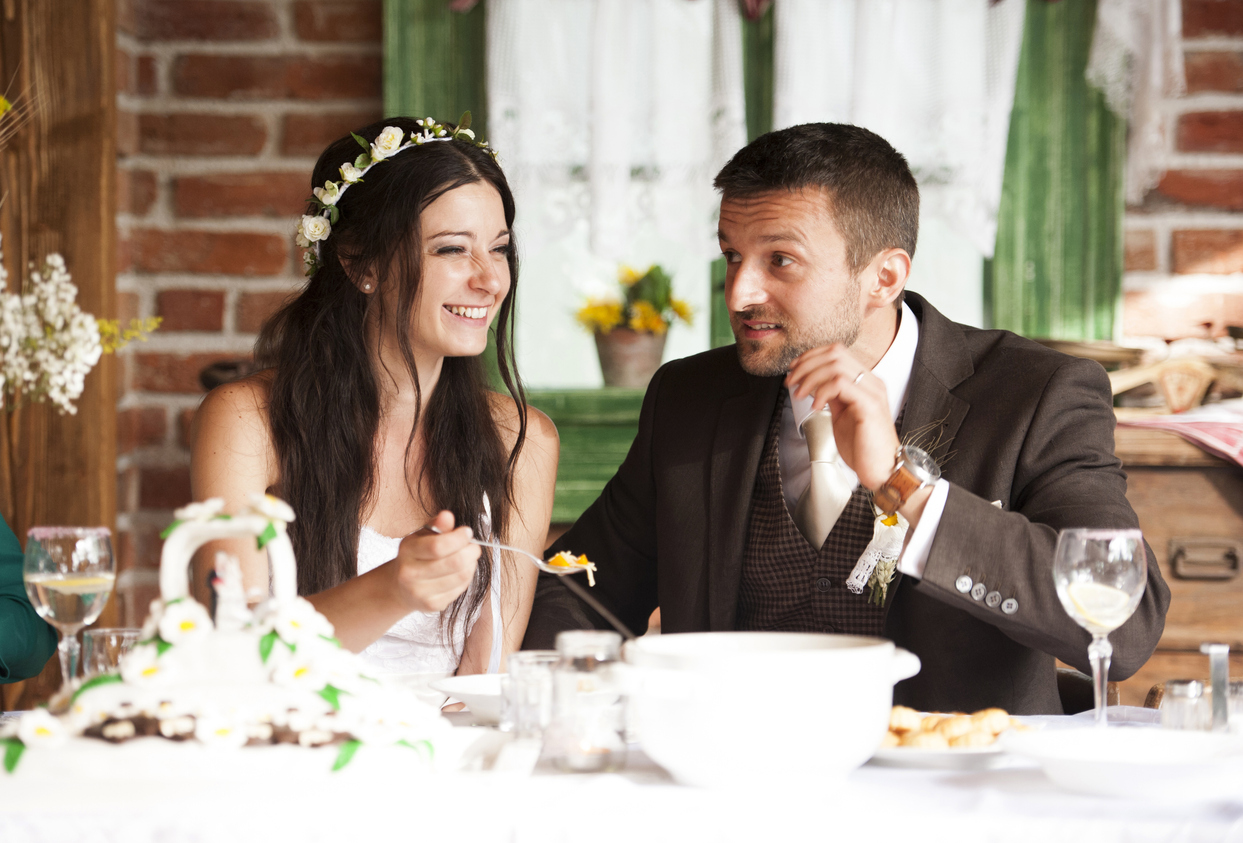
{"x":1184,"y":245}
{"x":223,"y":107}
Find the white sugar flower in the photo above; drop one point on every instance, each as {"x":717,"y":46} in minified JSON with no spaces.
{"x":386,"y":143}
{"x":220,"y":732}
{"x":143,"y":666}
{"x":297,"y":621}
{"x":184,"y":620}
{"x":204,"y":511}
{"x":299,"y":671}
{"x":39,"y":728}
{"x":151,"y":625}
{"x":350,"y":173}
{"x":314,"y":228}
{"x":271,"y":507}
{"x":329,"y":193}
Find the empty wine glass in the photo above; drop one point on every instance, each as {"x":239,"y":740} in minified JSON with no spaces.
{"x":1100,"y":576}
{"x":69,"y":573}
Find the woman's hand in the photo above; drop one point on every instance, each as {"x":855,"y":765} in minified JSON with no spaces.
{"x":435,"y":565}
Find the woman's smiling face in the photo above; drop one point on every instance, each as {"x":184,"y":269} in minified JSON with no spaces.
{"x":465,"y":271}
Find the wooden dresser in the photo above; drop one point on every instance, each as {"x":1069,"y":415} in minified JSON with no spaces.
{"x":1190,"y":507}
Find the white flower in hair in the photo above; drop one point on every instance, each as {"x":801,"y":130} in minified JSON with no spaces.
{"x":314,"y":228}
{"x":350,"y":173}
{"x":204,"y":511}
{"x":38,"y":727}
{"x":184,"y":620}
{"x":329,"y":193}
{"x":386,"y":143}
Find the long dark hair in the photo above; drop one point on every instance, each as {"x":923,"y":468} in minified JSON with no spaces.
{"x":324,"y":405}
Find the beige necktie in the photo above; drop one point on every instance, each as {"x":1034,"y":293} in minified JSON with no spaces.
{"x":832,"y":482}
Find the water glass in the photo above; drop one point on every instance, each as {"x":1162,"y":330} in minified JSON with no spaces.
{"x":587,"y":734}
{"x":1186,"y":705}
{"x":103,"y":648}
{"x":527,"y":698}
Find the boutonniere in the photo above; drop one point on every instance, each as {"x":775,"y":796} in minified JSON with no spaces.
{"x":878,"y":565}
{"x":878,"y":584}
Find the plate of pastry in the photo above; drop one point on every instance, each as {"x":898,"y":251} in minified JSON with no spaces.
{"x":953,"y":740}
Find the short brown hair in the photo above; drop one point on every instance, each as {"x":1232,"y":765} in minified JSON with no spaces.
{"x":870,"y":187}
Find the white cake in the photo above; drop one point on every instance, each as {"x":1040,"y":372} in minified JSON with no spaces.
{"x":272,"y":687}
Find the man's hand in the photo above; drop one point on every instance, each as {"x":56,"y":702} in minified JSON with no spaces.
{"x":435,"y":565}
{"x":862,"y":421}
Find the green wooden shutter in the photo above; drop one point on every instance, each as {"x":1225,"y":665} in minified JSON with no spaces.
{"x":1058,"y":266}
{"x":435,"y":62}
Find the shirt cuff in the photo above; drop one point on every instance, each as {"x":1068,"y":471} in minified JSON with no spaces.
{"x":915,"y":556}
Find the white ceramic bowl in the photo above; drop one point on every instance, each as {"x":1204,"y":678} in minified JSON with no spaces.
{"x":480,"y":691}
{"x":723,"y":707}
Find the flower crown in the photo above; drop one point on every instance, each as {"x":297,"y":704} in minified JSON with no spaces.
{"x":315,"y":228}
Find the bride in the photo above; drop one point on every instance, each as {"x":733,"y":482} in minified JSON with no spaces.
{"x":372,"y":415}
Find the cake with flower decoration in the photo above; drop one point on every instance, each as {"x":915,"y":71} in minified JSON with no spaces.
{"x":272,"y":683}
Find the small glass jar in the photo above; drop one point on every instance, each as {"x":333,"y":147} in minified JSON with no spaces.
{"x":1186,"y":705}
{"x":587,"y":734}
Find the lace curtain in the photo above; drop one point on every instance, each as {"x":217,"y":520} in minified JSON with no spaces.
{"x":611,"y":118}
{"x":936,"y":79}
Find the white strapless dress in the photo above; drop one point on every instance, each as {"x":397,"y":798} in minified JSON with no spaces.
{"x":417,"y":643}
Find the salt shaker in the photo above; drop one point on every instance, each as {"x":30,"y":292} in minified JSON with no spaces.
{"x":587,"y":734}
{"x":1185,"y":705}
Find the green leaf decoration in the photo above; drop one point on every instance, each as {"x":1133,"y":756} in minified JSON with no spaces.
{"x":174,"y":600}
{"x":363,"y":160}
{"x":269,"y":533}
{"x":423,"y":748}
{"x":332,"y":694}
{"x":169,"y":529}
{"x":265,"y":645}
{"x":463,"y":122}
{"x":13,"y":749}
{"x":345,"y":754}
{"x":333,"y":214}
{"x":161,"y":646}
{"x":95,"y":682}
{"x":331,"y":640}
{"x":361,"y":142}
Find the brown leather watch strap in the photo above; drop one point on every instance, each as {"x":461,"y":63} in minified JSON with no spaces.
{"x":896,"y":490}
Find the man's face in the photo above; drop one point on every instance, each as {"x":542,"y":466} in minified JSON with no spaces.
{"x":788,"y":286}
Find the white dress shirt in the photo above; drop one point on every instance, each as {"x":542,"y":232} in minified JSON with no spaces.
{"x":894,"y":370}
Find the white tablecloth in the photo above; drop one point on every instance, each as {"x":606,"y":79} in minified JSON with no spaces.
{"x":638,"y":805}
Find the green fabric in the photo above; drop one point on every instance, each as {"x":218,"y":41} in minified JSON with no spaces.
{"x":1058,"y":266}
{"x":434,"y":62}
{"x":26,"y":640}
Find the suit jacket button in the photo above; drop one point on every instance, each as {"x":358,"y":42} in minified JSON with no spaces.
{"x":963,"y":583}
{"x":993,"y":600}
{"x":978,"y":591}
{"x":1009,"y":605}
{"x":823,"y":584}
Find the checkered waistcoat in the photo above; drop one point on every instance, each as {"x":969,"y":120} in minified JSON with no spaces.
{"x":788,"y":585}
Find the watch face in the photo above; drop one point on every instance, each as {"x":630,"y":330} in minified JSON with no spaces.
{"x":920,"y":464}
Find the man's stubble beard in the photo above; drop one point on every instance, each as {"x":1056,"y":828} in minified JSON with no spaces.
{"x":841,"y":324}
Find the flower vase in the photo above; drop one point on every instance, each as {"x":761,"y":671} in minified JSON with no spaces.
{"x":629,"y":358}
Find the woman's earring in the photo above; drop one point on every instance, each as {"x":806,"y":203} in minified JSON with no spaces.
{"x":367,"y":286}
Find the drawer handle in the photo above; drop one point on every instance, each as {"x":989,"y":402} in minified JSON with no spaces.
{"x":1195,"y":558}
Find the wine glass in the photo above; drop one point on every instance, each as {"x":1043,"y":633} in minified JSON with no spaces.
{"x":1100,"y":576}
{"x":69,"y":573}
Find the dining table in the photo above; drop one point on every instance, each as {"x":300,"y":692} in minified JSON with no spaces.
{"x":640,"y":803}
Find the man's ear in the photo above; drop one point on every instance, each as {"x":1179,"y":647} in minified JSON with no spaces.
{"x":892,"y":269}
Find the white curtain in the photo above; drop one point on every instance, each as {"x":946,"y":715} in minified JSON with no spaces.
{"x":610,"y":117}
{"x":936,"y":79}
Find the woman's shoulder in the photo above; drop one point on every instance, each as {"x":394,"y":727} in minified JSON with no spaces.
{"x":540,"y":429}
{"x":239,"y":408}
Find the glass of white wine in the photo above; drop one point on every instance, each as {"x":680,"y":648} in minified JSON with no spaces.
{"x":1100,"y":576}
{"x":69,"y":573}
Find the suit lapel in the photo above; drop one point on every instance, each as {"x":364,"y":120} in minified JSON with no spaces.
{"x":933,"y":413}
{"x":737,"y":446}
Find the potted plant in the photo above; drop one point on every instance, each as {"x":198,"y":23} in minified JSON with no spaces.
{"x":630,"y":332}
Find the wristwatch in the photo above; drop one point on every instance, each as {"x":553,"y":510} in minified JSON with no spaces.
{"x":914,"y":470}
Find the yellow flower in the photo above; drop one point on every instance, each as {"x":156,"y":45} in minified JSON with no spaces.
{"x":645,"y":319}
{"x":627,"y":275}
{"x":681,"y":309}
{"x":600,"y":316}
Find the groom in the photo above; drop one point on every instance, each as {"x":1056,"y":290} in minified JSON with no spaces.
{"x":741,"y":507}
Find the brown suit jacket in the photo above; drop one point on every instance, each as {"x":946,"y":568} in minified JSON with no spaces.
{"x":1008,"y":419}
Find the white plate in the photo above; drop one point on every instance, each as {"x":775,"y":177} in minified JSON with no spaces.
{"x":1136,"y":762}
{"x":480,"y":691}
{"x":966,"y":758}
{"x":421,"y":685}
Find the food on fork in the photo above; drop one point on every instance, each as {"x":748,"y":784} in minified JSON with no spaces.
{"x":939,"y":730}
{"x":565,"y":559}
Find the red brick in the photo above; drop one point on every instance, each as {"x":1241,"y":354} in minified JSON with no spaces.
{"x":1218,"y":252}
{"x":185,"y":420}
{"x":127,"y":17}
{"x":144,"y":75}
{"x":200,"y":134}
{"x":135,"y":191}
{"x":254,"y":309}
{"x":225,"y":253}
{"x":277,"y":77}
{"x":190,"y":310}
{"x":125,"y":64}
{"x":164,"y":488}
{"x":127,"y":133}
{"x":1210,"y":70}
{"x":203,"y":20}
{"x":310,"y":134}
{"x":1141,"y":250}
{"x":1211,"y":188}
{"x":1211,"y":131}
{"x":1174,"y":316}
{"x":1206,"y":18}
{"x":175,"y":373}
{"x":127,"y":489}
{"x":138,"y":427}
{"x":241,"y":195}
{"x":125,"y":257}
{"x":127,"y":307}
{"x":356,"y":21}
